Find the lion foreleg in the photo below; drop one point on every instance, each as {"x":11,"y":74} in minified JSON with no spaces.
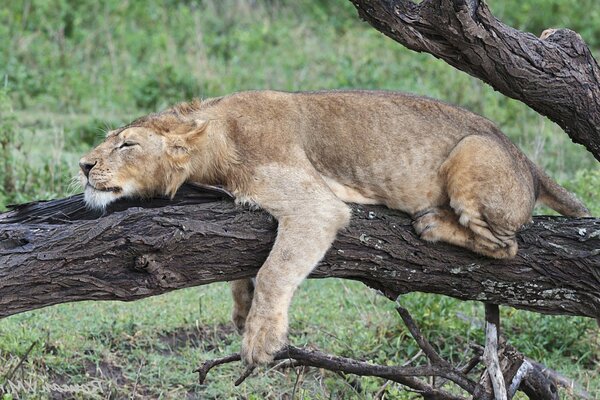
{"x":309,"y":217}
{"x":242,"y":291}
{"x":301,"y":243}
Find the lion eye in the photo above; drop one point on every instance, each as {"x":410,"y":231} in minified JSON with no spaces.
{"x":127,"y":144}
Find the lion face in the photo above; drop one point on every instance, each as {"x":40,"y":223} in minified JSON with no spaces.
{"x":141,"y":161}
{"x":126,"y":164}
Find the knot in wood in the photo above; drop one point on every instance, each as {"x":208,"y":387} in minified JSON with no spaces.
{"x":163,"y":276}
{"x":561,"y":34}
{"x":145,"y":262}
{"x":568,"y":40}
{"x":13,"y":240}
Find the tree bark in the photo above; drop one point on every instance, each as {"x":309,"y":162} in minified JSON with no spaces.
{"x":555,"y":74}
{"x":53,"y":252}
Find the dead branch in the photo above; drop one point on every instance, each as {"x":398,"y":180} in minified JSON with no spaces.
{"x":314,"y":358}
{"x":58,"y":251}
{"x":490,"y":354}
{"x":527,"y":379}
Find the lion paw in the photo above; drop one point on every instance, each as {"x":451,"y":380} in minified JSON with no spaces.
{"x":507,"y":250}
{"x":263,"y":338}
{"x":425,"y":223}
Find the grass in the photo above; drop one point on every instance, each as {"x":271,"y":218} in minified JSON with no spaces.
{"x":149,"y":348}
{"x":73,"y":69}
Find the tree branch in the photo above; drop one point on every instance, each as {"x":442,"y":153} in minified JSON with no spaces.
{"x":314,"y":358}
{"x":528,"y":379}
{"x":199,"y":239}
{"x":456,"y":376}
{"x":59,"y":251}
{"x":490,"y":354}
{"x":555,"y":74}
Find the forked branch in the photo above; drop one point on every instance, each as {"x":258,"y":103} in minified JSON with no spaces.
{"x":408,"y":376}
{"x":314,"y":358}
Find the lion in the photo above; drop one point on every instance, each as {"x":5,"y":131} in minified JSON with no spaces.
{"x":303,"y":156}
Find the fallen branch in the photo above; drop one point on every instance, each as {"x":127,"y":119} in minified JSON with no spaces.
{"x":314,"y":358}
{"x":527,"y":379}
{"x":557,"y":379}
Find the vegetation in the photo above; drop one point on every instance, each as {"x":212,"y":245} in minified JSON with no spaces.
{"x":71,"y":69}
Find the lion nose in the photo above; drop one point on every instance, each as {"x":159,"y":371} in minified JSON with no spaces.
{"x":86,"y":167}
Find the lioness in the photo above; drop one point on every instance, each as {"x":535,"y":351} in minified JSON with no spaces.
{"x":301,"y":156}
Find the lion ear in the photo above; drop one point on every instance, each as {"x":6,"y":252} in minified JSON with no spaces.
{"x":199,"y":125}
{"x":193,"y":130}
{"x":178,"y":148}
{"x":181,"y":143}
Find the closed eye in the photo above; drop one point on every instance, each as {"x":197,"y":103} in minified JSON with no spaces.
{"x":127,"y":144}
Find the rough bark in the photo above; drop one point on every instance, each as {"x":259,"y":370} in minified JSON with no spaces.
{"x":555,"y":74}
{"x":200,"y":238}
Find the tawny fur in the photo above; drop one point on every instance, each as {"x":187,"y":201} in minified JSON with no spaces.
{"x":301,"y":156}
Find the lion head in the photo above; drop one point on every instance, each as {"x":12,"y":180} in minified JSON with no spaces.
{"x":149,"y":157}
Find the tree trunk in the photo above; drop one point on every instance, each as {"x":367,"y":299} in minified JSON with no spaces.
{"x":200,"y":238}
{"x":555,"y":74}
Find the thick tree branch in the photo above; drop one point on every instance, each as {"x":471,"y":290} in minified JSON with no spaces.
{"x":200,"y":239}
{"x":555,"y":74}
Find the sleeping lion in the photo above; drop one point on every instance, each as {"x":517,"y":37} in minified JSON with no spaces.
{"x":302,"y":156}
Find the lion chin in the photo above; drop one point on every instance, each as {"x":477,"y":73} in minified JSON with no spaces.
{"x":100,"y":199}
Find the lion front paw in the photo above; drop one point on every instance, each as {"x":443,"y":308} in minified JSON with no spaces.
{"x":263,"y":338}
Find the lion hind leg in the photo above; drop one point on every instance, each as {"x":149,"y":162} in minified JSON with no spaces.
{"x":487,"y":240}
{"x":491,"y":193}
{"x":442,"y":224}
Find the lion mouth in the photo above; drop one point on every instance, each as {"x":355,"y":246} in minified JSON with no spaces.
{"x":111,"y":189}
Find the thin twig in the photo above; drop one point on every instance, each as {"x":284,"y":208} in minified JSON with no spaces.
{"x":210,"y":364}
{"x":465,"y":369}
{"x":420,"y":339}
{"x":298,"y":376}
{"x":137,"y":378}
{"x":9,"y":376}
{"x":381,"y":392}
{"x":413,"y":358}
{"x":472,"y":363}
{"x":285,"y":364}
{"x":247,"y":372}
{"x":454,"y":375}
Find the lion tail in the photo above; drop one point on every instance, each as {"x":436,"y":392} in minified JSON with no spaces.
{"x":558,"y":198}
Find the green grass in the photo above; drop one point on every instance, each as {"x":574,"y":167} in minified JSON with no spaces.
{"x":151,"y":347}
{"x":70,"y":70}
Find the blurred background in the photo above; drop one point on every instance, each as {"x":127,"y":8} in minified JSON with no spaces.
{"x":71,"y":69}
